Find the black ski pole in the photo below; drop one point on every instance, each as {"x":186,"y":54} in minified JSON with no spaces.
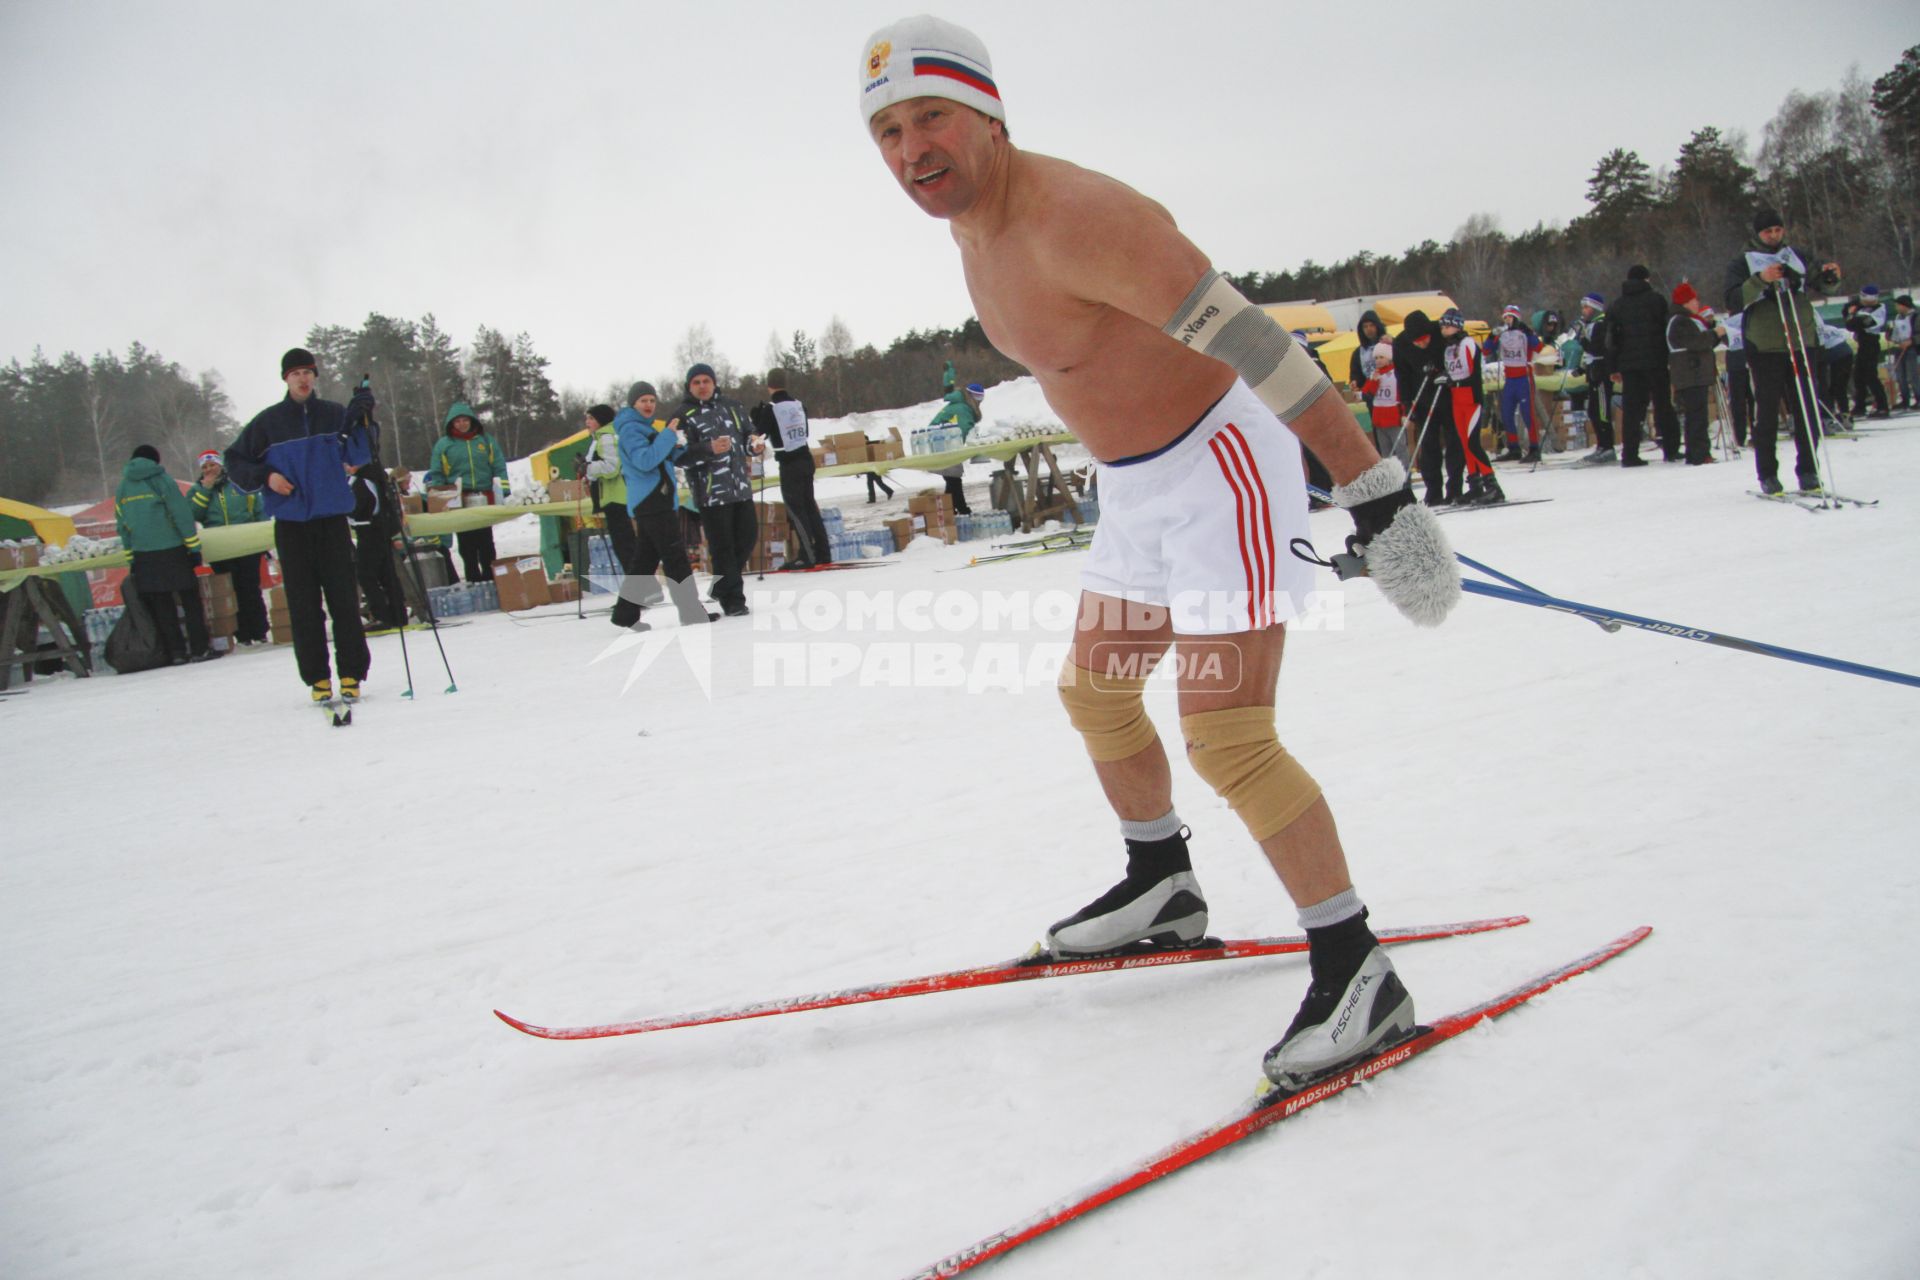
{"x":413,"y":563}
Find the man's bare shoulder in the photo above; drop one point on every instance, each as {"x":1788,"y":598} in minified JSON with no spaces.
{"x":1079,"y":195}
{"x":1113,"y":243}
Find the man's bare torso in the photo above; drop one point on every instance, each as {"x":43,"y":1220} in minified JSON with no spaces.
{"x":1115,"y":379}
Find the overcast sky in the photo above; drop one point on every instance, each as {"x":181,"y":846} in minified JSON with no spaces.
{"x":212,"y":178}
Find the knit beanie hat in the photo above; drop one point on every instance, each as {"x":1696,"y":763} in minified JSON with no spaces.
{"x":1683,"y":293}
{"x":1870,"y":291}
{"x":697,"y":370}
{"x":639,"y":389}
{"x":148,"y":452}
{"x":1593,"y":300}
{"x":924,"y":57}
{"x":1638,"y":272}
{"x":1768,"y":217}
{"x":603,"y":413}
{"x":211,"y":455}
{"x":1382,"y":354}
{"x":1512,"y":312}
{"x":298,"y":358}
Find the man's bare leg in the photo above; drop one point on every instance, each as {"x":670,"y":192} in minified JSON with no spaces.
{"x":1116,"y":647}
{"x":1356,"y":1001}
{"x":1305,"y":854}
{"x":1114,"y":637}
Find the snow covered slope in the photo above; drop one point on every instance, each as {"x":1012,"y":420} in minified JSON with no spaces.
{"x":250,"y":961}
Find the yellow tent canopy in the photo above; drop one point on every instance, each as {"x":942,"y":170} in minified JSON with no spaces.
{"x":1337,"y":354}
{"x":1310,"y":316}
{"x":1394,"y":311}
{"x":24,"y":520}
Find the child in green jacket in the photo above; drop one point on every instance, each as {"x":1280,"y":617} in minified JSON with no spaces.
{"x":470,"y":458}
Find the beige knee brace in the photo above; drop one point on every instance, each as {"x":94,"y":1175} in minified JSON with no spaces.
{"x":1108,"y":711}
{"x":1241,"y":758}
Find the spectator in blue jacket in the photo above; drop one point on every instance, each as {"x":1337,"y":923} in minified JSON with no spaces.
{"x":648,"y":450}
{"x":298,"y":454}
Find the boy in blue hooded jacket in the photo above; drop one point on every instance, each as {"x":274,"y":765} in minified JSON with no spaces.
{"x":648,"y":450}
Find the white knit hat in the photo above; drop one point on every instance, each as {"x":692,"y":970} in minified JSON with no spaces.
{"x":925,"y":57}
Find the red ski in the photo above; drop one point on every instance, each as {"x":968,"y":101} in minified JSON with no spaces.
{"x":1267,"y":1109}
{"x":1038,"y":964}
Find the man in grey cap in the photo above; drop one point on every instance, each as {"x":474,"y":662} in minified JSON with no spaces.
{"x":1174,"y":381}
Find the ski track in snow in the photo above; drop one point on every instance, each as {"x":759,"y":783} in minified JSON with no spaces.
{"x":251,"y":961}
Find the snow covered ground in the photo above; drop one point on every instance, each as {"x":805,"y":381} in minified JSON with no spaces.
{"x":250,"y":961}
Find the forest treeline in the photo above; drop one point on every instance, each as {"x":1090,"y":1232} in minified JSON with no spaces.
{"x":1843,"y":166}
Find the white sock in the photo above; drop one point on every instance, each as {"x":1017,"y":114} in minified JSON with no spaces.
{"x":1157,"y":829}
{"x":1341,"y":906}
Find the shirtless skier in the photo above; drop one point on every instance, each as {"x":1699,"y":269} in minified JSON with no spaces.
{"x":1092,"y":287}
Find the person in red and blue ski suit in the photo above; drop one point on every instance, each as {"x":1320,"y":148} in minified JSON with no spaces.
{"x":1518,"y":345}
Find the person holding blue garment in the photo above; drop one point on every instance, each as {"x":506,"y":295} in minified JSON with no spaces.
{"x":648,"y":450}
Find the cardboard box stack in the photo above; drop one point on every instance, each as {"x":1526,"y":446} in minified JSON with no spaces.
{"x":841,"y":449}
{"x":279,"y":622}
{"x":564,"y":589}
{"x":24,"y":554}
{"x":522,"y":583}
{"x":221,"y":605}
{"x":414,"y":503}
{"x":776,"y":535}
{"x":443,"y":500}
{"x":567,"y":491}
{"x":929,"y":513}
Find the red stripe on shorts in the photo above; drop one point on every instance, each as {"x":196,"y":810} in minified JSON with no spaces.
{"x":1266,"y":522}
{"x":1240,"y":518}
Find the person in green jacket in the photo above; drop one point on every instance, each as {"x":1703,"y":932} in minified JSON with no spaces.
{"x":217,"y":503}
{"x":155,"y":522}
{"x":962,"y":407}
{"x":467,"y":456}
{"x":1772,"y":285}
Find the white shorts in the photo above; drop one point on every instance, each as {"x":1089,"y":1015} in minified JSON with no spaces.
{"x":1203,"y":528}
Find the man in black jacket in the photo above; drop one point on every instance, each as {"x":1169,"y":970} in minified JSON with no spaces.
{"x":1437,"y":452}
{"x":1692,"y":335}
{"x":783,"y":419}
{"x":715,"y":428}
{"x":1638,"y":356}
{"x":1867,"y":320}
{"x":375,"y":526}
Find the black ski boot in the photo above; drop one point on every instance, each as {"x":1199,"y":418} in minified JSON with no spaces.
{"x":1355,"y":1004}
{"x":1159,"y":903}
